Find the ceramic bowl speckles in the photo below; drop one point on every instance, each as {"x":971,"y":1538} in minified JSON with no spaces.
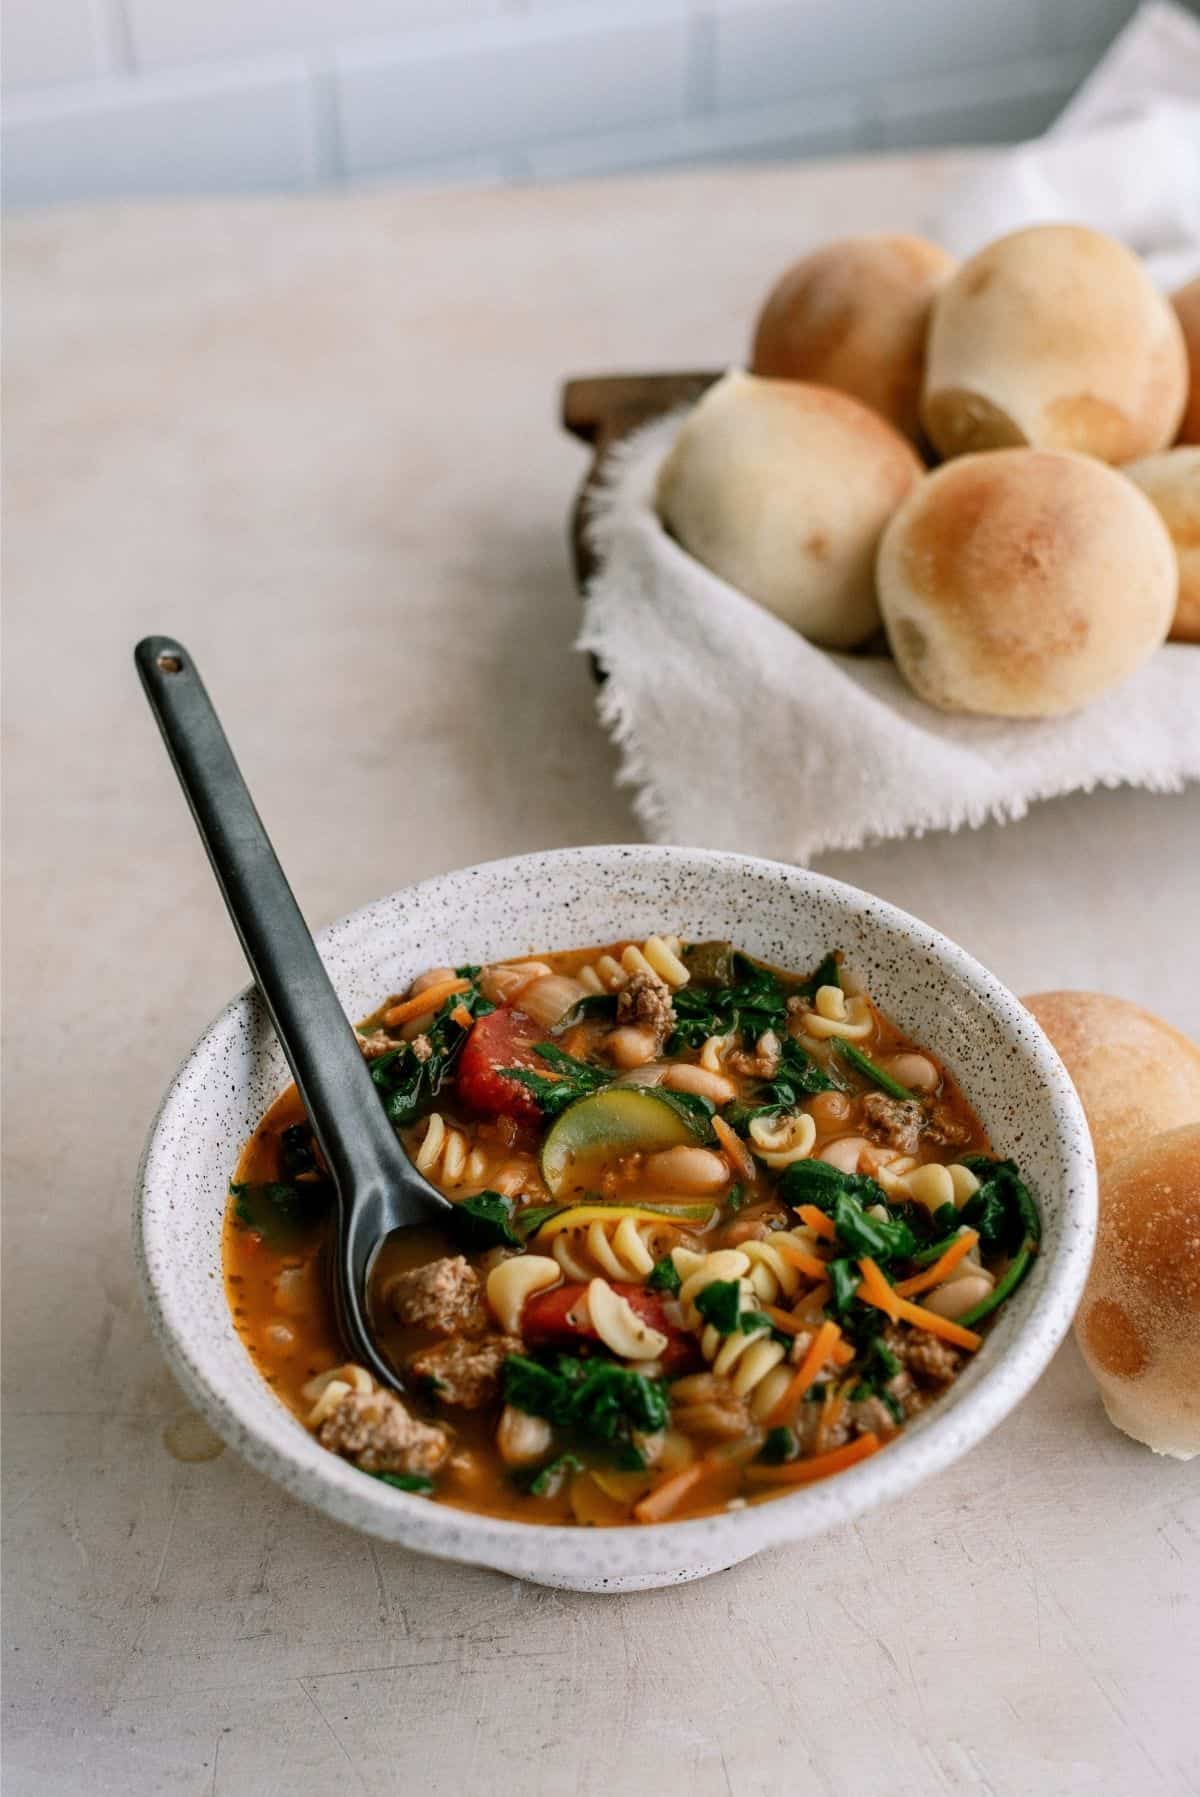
{"x":574,"y":897}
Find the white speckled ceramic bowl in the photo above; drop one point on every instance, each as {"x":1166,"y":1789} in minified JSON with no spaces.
{"x":571,"y":898}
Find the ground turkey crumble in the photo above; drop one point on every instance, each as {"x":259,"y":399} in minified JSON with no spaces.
{"x":894,"y":1122}
{"x":375,"y":1431}
{"x":464,"y":1370}
{"x":645,"y":1002}
{"x":445,"y":1296}
{"x":931,"y":1362}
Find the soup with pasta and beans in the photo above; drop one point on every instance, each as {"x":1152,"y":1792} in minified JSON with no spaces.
{"x":717,"y":1231}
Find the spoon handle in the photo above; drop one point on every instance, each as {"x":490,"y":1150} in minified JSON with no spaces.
{"x":356,"y":1138}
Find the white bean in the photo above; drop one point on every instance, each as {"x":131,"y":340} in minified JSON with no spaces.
{"x":916,"y":1071}
{"x":684,"y":1077}
{"x":686,"y":1170}
{"x":522,"y":1439}
{"x":957,"y":1296}
{"x":828,"y":1109}
{"x":844,"y":1152}
{"x":630,"y":1046}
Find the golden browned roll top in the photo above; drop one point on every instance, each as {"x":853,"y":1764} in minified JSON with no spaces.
{"x":1056,"y":337}
{"x":1135,"y":1075}
{"x":1024,"y":582}
{"x":782,"y":489}
{"x":854,"y":315}
{"x":1139,"y":1323}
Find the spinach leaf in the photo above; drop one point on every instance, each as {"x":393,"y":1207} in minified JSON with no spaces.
{"x":406,"y":1084}
{"x":753,"y":1001}
{"x":664,"y":1277}
{"x":528,"y":1222}
{"x":720,"y":1304}
{"x":696,"y":1111}
{"x":596,"y":1004}
{"x":1002,"y":1210}
{"x":779,"y":1447}
{"x":279,"y":1209}
{"x":547,"y":1481}
{"x":405,"y":1482}
{"x":572,"y":1079}
{"x":827,"y":973}
{"x":602,"y":1402}
{"x":816,"y":1182}
{"x":883,"y":1239}
{"x":845,"y":1279}
{"x":485,"y":1221}
{"x":863,"y":1064}
{"x":735,"y":1198}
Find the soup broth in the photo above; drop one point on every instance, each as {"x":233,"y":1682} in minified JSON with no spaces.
{"x":718,"y":1230}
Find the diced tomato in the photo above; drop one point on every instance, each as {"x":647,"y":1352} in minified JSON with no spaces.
{"x":554,"y":1317}
{"x":504,"y":1038}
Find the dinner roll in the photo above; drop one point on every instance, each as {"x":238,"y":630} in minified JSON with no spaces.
{"x":1135,"y":1075}
{"x":1172,"y":482}
{"x":782,"y":489}
{"x":1139,"y":1323}
{"x":1056,"y":337}
{"x":854,"y":316}
{"x":1187,"y":306}
{"x":1024,"y":583}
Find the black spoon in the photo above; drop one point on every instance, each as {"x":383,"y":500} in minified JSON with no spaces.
{"x":378,"y":1189}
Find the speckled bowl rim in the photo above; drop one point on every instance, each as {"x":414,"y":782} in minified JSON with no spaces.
{"x":270,"y":1439}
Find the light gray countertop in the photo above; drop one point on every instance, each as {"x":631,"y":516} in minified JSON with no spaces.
{"x":316,"y":439}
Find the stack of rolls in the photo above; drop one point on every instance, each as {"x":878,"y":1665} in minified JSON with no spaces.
{"x":1058,"y":544}
{"x":1138,"y":1324}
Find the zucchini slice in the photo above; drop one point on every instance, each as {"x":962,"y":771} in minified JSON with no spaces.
{"x":596,"y":1130}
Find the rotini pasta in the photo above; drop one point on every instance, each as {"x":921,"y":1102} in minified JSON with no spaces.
{"x":626,"y":1249}
{"x":931,"y":1183}
{"x":515,"y":1280}
{"x":658,"y":955}
{"x":619,"y":1326}
{"x":445,"y":1156}
{"x":753,"y":1361}
{"x":772,"y":1275}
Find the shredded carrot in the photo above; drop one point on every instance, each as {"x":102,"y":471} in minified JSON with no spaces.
{"x":832,"y":1406}
{"x":799,"y":1257}
{"x":946,"y":1263}
{"x":818,"y":1222}
{"x":819,"y":1466}
{"x":876,"y":1290}
{"x":461,"y":1016}
{"x":842,"y":1354}
{"x":818,"y":1296}
{"x":819,"y":1351}
{"x":666,"y":1497}
{"x":432,"y":999}
{"x":783,"y":1319}
{"x":735,"y":1149}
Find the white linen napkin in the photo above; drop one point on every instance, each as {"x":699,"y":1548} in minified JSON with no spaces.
{"x":739,"y":734}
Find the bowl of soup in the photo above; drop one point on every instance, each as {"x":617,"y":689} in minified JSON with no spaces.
{"x":766,"y":1202}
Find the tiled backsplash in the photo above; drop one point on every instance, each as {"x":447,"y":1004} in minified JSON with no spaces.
{"x":112,"y":97}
